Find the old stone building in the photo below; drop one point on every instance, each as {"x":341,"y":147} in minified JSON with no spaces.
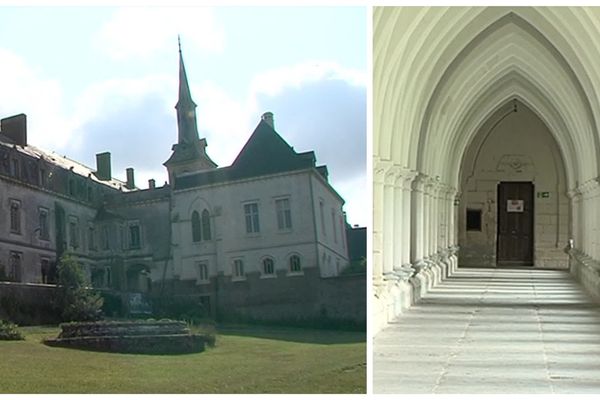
{"x":258,"y":238}
{"x":486,"y":145}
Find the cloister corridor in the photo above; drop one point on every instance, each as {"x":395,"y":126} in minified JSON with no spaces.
{"x":493,"y":330}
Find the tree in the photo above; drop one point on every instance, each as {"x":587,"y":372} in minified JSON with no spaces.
{"x":74,"y":300}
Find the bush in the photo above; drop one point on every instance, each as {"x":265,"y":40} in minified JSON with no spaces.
{"x":356,"y":267}
{"x":74,"y":300}
{"x":3,"y":276}
{"x":186,"y":308}
{"x":9,"y":331}
{"x":112,"y":305}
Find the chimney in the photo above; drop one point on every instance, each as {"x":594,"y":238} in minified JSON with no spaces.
{"x":15,"y":128}
{"x":103,"y":166}
{"x":268,"y":118}
{"x":130,"y":180}
{"x":151,"y":183}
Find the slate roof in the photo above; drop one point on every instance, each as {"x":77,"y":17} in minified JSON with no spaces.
{"x":264,"y":153}
{"x":64,"y":162}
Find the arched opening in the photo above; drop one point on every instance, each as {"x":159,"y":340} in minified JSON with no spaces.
{"x":196,"y":227}
{"x":206,"y":225}
{"x":513,"y":180}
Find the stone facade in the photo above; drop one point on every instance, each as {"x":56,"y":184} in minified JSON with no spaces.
{"x":269,"y":221}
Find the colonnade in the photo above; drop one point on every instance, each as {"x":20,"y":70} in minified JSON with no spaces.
{"x":414,"y":236}
{"x":585,"y":205}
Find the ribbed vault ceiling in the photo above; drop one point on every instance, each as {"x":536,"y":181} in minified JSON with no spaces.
{"x":441,"y":73}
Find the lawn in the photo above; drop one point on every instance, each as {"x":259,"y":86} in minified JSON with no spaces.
{"x":246,"y":359}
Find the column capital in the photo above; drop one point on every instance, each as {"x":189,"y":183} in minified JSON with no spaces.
{"x":449,"y":193}
{"x":430,"y":185}
{"x":419,"y":182}
{"x":588,"y":187}
{"x":392,"y":174}
{"x":380,"y":169}
{"x":406,"y":177}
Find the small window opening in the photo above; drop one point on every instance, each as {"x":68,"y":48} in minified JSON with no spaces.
{"x":473,"y":220}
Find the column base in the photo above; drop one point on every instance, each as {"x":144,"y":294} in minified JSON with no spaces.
{"x":419,"y":266}
{"x":389,"y":276}
{"x":404,"y":272}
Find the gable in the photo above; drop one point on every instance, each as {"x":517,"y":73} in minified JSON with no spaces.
{"x":264,"y":153}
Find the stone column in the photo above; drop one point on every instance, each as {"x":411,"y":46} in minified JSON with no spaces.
{"x":572,"y":220}
{"x":427,"y":221}
{"x":399,"y":235}
{"x":378,"y":180}
{"x":454,"y":224}
{"x":445,"y":227}
{"x":435,"y":220}
{"x":449,"y":207}
{"x":593,"y":218}
{"x":596,"y":220}
{"x":586,"y":219}
{"x":417,"y":222}
{"x":590,"y":218}
{"x":408,"y":237}
{"x":443,"y":234}
{"x":388,"y":224}
{"x":579,"y":220}
{"x":402,"y":266}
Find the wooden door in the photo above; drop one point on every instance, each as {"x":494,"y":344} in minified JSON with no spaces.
{"x":515,"y":223}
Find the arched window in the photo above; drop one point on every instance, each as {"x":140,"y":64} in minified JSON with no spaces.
{"x":196,"y":227}
{"x":295,"y":264}
{"x":268,"y":266}
{"x":205,"y":225}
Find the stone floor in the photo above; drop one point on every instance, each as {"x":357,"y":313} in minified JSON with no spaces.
{"x":493,"y":331}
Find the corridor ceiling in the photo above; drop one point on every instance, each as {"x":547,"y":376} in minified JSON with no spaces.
{"x":441,"y":72}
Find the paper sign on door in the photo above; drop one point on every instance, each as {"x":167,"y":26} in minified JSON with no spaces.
{"x":514,"y":206}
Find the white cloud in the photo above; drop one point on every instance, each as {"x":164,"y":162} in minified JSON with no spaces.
{"x":111,"y":107}
{"x":145,"y":31}
{"x":227,"y":122}
{"x":25,"y":90}
{"x":354,"y":191}
{"x":114,"y":94}
{"x":272,"y":82}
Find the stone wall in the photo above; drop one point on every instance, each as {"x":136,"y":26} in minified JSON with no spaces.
{"x":514,"y":147}
{"x":307,"y":299}
{"x":586,"y":271}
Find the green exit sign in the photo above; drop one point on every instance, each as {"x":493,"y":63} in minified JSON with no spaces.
{"x":543,"y":195}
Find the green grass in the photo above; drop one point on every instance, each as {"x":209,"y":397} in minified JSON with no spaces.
{"x":246,"y":359}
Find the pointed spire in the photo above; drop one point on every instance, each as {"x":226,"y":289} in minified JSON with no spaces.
{"x":185,"y":97}
{"x":186,"y":108}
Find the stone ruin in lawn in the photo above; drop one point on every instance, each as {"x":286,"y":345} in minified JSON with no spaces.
{"x":144,"y":337}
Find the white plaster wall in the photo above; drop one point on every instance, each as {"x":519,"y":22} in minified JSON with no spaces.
{"x":225,"y":203}
{"x":332,"y":247}
{"x":518,"y":148}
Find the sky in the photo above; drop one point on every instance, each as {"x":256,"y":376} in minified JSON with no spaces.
{"x":95,"y":79}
